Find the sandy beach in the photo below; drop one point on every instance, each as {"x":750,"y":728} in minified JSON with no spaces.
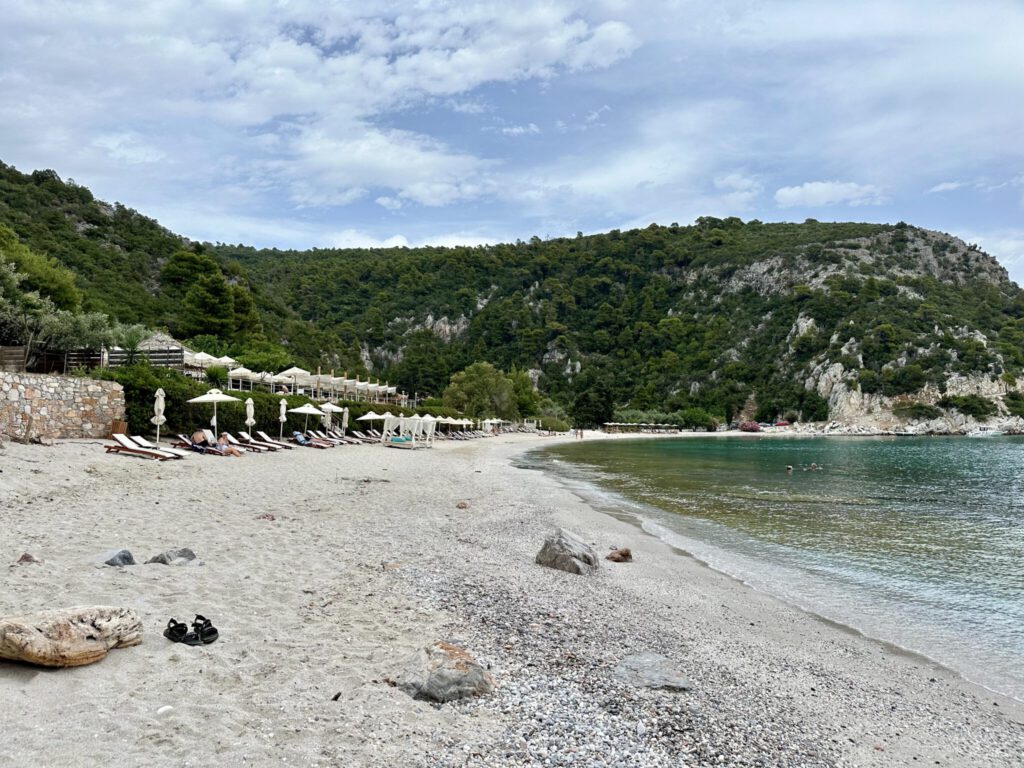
{"x":367,"y":557}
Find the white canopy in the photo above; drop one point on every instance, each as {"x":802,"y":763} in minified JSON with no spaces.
{"x":203,"y":360}
{"x":370,"y":416}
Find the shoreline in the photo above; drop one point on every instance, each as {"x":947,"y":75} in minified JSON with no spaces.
{"x":368,"y":558}
{"x":631,"y":513}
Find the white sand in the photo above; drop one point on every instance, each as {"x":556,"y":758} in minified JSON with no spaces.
{"x":366,"y":559}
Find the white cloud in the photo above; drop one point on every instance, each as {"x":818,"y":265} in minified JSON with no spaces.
{"x":1006,"y":245}
{"x":353,"y":238}
{"x":946,"y":186}
{"x":521,"y":130}
{"x":390,"y":203}
{"x":823,"y":193}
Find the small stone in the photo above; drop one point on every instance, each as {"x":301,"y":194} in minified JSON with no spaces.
{"x":173,"y":557}
{"x":29,"y":558}
{"x":462,"y":505}
{"x":623,"y":555}
{"x":123,"y":557}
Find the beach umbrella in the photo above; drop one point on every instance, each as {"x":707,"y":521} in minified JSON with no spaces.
{"x":328,"y":409}
{"x":282,"y":418}
{"x":214,"y":396}
{"x":344,"y":420}
{"x":227,"y":361}
{"x":308,"y":410}
{"x":158,"y":413}
{"x":250,"y":418}
{"x":370,"y":416}
{"x":293,"y":375}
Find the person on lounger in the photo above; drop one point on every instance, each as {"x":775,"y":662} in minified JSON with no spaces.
{"x":301,"y":439}
{"x":199,"y":441}
{"x":226,"y":447}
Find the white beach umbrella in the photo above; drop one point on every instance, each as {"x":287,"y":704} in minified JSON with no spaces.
{"x":370,"y":416}
{"x":214,"y":396}
{"x":227,"y":361}
{"x":308,"y":410}
{"x":250,"y":411}
{"x":158,"y":413}
{"x":344,"y":420}
{"x":283,"y":417}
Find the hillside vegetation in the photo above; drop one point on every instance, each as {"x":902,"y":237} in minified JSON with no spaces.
{"x":722,"y":315}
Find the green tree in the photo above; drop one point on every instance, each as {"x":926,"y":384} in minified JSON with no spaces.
{"x":526,"y":397}
{"x":481,"y":390}
{"x":209,"y":307}
{"x":47,"y":276}
{"x":593,"y":405}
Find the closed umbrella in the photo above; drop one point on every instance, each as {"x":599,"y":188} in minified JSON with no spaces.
{"x":329,"y":409}
{"x":344,"y":420}
{"x":250,"y":418}
{"x":308,"y":410}
{"x":158,"y":413}
{"x":282,"y":418}
{"x":214,"y":396}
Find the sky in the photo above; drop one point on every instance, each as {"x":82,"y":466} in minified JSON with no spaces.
{"x":297,"y":124}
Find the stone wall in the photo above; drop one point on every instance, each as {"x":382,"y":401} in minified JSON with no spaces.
{"x":61,"y":406}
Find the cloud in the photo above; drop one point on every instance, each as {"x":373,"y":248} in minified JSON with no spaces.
{"x":822,"y":193}
{"x":946,"y":186}
{"x":521,"y":130}
{"x":390,"y":203}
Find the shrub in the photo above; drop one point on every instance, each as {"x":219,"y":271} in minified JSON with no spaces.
{"x":916,"y":411}
{"x":750,"y":426}
{"x":970,"y":405}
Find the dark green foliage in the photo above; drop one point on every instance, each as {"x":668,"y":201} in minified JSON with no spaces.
{"x":970,"y":405}
{"x":669,"y":318}
{"x":917,"y":411}
{"x":1014,"y":403}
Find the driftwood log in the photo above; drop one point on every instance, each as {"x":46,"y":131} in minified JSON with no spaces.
{"x":68,"y":637}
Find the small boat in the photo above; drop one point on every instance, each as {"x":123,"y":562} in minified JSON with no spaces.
{"x":986,"y":432}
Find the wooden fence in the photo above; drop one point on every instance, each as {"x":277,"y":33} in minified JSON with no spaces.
{"x":13,"y":359}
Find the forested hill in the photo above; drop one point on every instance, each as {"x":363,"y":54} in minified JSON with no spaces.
{"x":670,"y":317}
{"x":722,"y":315}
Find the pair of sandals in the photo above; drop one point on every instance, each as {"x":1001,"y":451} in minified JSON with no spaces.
{"x":203,"y":632}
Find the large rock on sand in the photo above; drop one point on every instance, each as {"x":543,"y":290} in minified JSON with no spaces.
{"x":173,"y":557}
{"x":68,"y":637}
{"x":651,"y":670}
{"x":566,"y":551}
{"x":444,"y":672}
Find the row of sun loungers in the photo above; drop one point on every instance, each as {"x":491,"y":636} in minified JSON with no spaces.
{"x":182,"y":446}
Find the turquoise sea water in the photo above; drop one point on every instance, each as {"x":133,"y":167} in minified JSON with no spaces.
{"x":917,"y":541}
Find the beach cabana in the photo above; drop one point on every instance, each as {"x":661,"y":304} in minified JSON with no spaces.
{"x":295,"y":376}
{"x":240,"y":375}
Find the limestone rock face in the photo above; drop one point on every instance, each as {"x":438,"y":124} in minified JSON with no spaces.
{"x":444,"y":672}
{"x":566,"y":551}
{"x":68,"y":637}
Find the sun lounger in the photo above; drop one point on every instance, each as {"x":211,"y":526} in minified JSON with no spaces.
{"x":247,"y":445}
{"x":366,"y":439}
{"x":123,"y":445}
{"x":400,"y":442}
{"x":185,"y":442}
{"x":306,"y":442}
{"x":267,"y":439}
{"x":142,"y":442}
{"x":343,"y":437}
{"x":247,"y":438}
{"x":320,"y":434}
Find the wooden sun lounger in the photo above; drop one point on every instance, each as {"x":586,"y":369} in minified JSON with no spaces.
{"x":185,"y":442}
{"x":247,"y":438}
{"x":320,"y":434}
{"x":123,"y":445}
{"x":247,"y":445}
{"x":267,"y":439}
{"x":142,"y":442}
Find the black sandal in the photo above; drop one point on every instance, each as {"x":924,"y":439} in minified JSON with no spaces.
{"x":203,"y":632}
{"x":176,"y":632}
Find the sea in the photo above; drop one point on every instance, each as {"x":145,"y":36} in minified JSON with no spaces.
{"x":917,"y":541}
